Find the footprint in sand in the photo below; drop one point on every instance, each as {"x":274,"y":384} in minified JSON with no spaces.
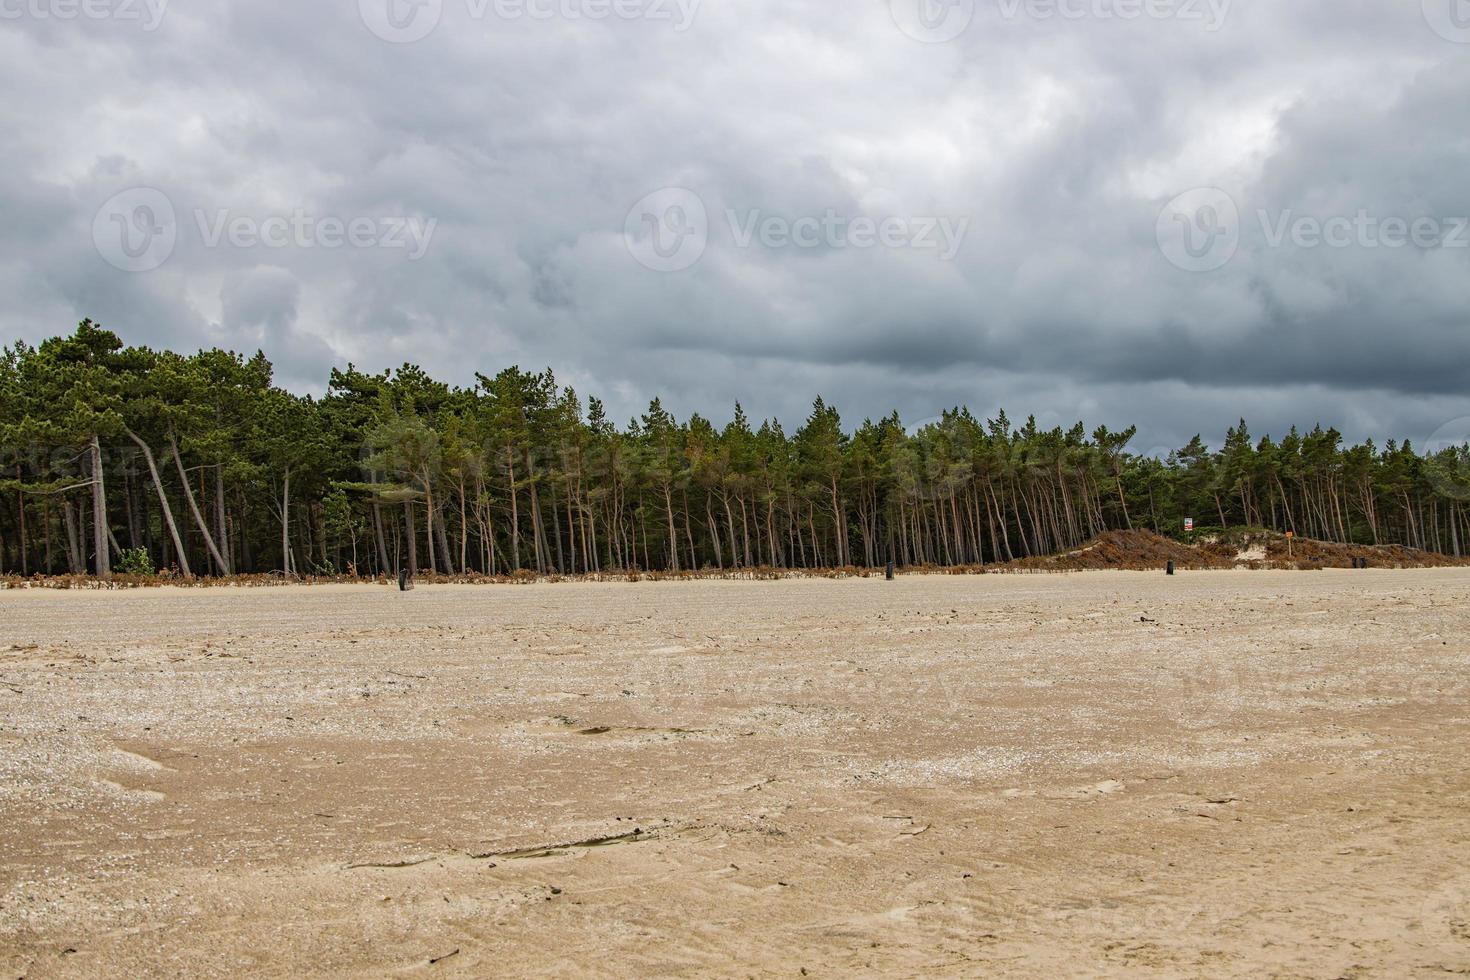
{"x":147,"y":794}
{"x":137,"y":760}
{"x":1105,"y":788}
{"x":1445,"y":913}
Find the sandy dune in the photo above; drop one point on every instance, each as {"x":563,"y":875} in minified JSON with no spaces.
{"x":1219,"y":773}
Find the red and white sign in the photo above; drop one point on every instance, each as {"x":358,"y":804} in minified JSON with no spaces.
{"x":1189,"y":524}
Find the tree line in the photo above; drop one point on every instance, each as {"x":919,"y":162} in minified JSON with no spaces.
{"x":120,"y":457}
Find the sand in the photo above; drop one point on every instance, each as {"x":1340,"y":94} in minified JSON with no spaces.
{"x":1221,"y":773}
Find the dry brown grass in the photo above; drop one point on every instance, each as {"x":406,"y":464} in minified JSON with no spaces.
{"x":1139,"y":551}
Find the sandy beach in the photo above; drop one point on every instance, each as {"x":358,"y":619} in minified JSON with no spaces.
{"x":1221,"y":773}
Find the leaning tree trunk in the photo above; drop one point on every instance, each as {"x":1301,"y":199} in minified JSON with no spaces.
{"x":515,"y":517}
{"x":429,"y":523}
{"x":74,"y":555}
{"x":1127,"y":519}
{"x":413,"y":544}
{"x":442,"y":536}
{"x":99,"y":513}
{"x":383,"y":565}
{"x":219,"y":559}
{"x":286,"y":523}
{"x":20,"y":505}
{"x":221,"y":518}
{"x":168,"y":514}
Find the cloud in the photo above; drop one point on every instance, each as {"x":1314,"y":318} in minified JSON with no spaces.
{"x":528,"y":138}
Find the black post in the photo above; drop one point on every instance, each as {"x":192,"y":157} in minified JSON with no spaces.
{"x":404,"y":582}
{"x":889,"y":573}
{"x":1171,"y":568}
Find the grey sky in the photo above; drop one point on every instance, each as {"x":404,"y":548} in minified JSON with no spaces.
{"x":308,"y":151}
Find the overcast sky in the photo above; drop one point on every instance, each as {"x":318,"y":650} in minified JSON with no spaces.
{"x":1168,"y":212}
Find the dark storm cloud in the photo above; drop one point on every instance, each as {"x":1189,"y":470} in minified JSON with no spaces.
{"x":526,"y":140}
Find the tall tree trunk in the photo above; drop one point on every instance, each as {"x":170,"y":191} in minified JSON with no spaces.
{"x":689,"y":534}
{"x":538,"y":537}
{"x":714,"y":532}
{"x":286,"y":523}
{"x":673,"y":561}
{"x":73,"y":547}
{"x":20,"y":503}
{"x":412,"y":535}
{"x":515,"y":517}
{"x":429,"y":522}
{"x":221,"y":518}
{"x":464,"y":530}
{"x":441,"y":533}
{"x":384,"y":568}
{"x":168,"y":514}
{"x":1122,"y":500}
{"x":46,"y":534}
{"x":561,"y":559}
{"x":219,"y":559}
{"x":99,"y":512}
{"x":730,"y":528}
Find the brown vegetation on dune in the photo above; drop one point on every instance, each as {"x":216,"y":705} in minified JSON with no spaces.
{"x":1309,"y":554}
{"x":1134,"y":551}
{"x":1128,"y":551}
{"x":1146,"y":551}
